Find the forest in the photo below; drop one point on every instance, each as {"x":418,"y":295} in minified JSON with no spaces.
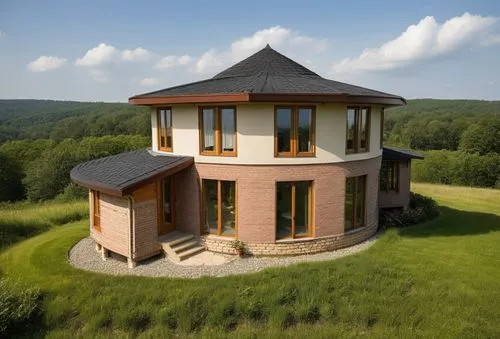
{"x":41,"y":140}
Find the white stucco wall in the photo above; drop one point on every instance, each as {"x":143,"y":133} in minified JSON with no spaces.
{"x":255,"y":135}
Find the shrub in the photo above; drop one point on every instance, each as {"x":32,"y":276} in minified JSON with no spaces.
{"x":18,"y":307}
{"x":420,"y":209}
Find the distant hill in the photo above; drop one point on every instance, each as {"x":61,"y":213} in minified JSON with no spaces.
{"x":44,"y":119}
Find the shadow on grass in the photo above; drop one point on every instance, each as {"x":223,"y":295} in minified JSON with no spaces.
{"x":454,"y":222}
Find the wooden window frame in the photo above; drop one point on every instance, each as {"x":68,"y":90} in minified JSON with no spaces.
{"x":310,"y":203}
{"x":294,"y":132}
{"x":355,"y":201}
{"x":159,"y":130}
{"x":96,"y":211}
{"x":357,"y":130}
{"x":219,"y":209}
{"x":382,"y":113}
{"x":392,"y":181}
{"x":218,"y":151}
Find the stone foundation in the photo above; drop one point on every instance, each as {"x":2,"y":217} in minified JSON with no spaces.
{"x":292,"y":246}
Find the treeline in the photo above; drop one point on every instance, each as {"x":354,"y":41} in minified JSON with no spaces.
{"x":58,"y":120}
{"x":462,"y":138}
{"x":458,"y":168}
{"x":39,"y":169}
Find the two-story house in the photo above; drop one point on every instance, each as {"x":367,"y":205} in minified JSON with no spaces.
{"x":266,"y":152}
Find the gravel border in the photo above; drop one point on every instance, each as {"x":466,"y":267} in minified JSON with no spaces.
{"x":84,"y":256}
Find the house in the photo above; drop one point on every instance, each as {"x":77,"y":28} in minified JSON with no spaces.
{"x":267,"y":152}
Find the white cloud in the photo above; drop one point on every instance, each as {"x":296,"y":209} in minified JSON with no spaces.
{"x":97,"y":56}
{"x":287,"y":40}
{"x":138,"y":54}
{"x":171,"y":61}
{"x":46,"y":63}
{"x":149,"y":82}
{"x":99,"y":75}
{"x":426,"y":40}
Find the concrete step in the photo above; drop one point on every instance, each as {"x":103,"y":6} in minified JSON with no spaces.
{"x":179,"y":240}
{"x":184,"y":246}
{"x":190,"y":252}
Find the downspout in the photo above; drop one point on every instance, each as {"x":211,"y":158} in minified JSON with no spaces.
{"x":131,"y":262}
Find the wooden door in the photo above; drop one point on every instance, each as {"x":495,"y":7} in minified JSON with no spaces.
{"x":166,"y":206}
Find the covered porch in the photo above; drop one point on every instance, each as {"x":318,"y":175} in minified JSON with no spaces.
{"x":142,"y":203}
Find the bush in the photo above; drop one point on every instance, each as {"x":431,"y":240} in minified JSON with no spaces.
{"x":72,"y":192}
{"x":420,"y":209}
{"x":18,"y":307}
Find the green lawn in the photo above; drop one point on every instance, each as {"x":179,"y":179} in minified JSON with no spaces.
{"x":440,"y":279}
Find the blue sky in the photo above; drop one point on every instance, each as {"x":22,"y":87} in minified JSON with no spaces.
{"x":111,"y":50}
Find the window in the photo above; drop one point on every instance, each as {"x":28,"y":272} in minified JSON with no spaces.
{"x":294,"y":131}
{"x":389,"y":175}
{"x":382,"y":127}
{"x":358,"y":129}
{"x":355,"y":191}
{"x":164,"y":127}
{"x":293,"y":209}
{"x":218,"y":131}
{"x":96,"y":211}
{"x":219,"y":200}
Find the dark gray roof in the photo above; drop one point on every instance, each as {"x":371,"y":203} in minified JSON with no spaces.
{"x":268,"y":72}
{"x":393,"y":153}
{"x":118,"y":173}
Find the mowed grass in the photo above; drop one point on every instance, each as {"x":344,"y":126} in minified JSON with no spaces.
{"x":19,"y":221}
{"x":439,"y":279}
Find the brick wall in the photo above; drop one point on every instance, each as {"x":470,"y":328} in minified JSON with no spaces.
{"x":257,"y":205}
{"x":187,"y":204}
{"x":115,"y":224}
{"x":392,"y":199}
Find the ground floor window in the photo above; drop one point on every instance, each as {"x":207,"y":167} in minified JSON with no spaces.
{"x":96,"y":211}
{"x":293,"y":209}
{"x":355,"y":202}
{"x":389,"y":175}
{"x":219,"y":201}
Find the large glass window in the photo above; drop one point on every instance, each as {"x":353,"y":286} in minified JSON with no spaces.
{"x":389,"y":176}
{"x":294,"y":131}
{"x":219,"y":199}
{"x":293,"y":209}
{"x":164,"y":128}
{"x":357,"y":129}
{"x":218,"y":131}
{"x":355,"y":202}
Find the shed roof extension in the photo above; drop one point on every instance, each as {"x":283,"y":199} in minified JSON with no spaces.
{"x":267,"y":76}
{"x":393,"y":153}
{"x":123,"y":173}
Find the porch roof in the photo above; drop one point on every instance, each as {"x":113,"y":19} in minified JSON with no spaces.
{"x":123,"y":173}
{"x":393,"y":153}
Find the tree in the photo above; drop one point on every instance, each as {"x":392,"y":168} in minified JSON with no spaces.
{"x":10,"y":180}
{"x":483,"y":137}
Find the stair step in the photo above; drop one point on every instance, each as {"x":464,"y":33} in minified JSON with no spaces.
{"x":191,"y":252}
{"x":179,"y":240}
{"x":184,"y":246}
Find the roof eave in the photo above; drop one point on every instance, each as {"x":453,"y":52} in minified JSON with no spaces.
{"x":267,"y":97}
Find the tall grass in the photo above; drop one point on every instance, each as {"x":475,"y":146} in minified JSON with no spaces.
{"x":22,"y":220}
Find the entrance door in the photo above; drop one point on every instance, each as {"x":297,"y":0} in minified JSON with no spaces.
{"x":166,"y":222}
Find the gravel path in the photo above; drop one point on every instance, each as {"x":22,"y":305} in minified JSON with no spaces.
{"x":84,"y":256}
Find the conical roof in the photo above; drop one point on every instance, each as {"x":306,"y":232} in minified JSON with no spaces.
{"x":267,"y":76}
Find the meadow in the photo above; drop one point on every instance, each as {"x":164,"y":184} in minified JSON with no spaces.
{"x":437,"y":279}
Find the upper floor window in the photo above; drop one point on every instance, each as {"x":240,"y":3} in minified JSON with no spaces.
{"x":218,"y":131}
{"x":294,"y":131}
{"x":164,"y":127}
{"x":355,"y":202}
{"x":358,"y":129}
{"x":389,"y":175}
